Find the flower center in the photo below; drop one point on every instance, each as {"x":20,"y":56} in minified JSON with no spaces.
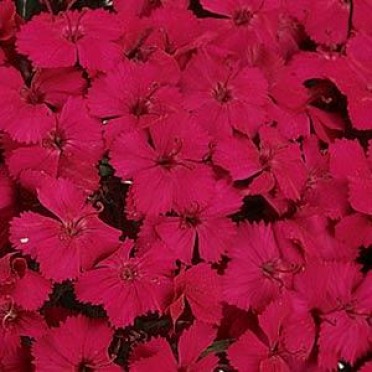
{"x":73,"y":33}
{"x":170,"y":159}
{"x":141,"y":53}
{"x":55,"y":140}
{"x":221,"y":93}
{"x":141,"y":107}
{"x":242,"y":17}
{"x":190,"y":220}
{"x":70,"y":230}
{"x":167,"y":161}
{"x":129,"y":273}
{"x":32,"y":96}
{"x":265,"y":158}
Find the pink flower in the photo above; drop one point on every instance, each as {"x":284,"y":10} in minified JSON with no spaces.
{"x":277,"y":164}
{"x":322,"y":193}
{"x":349,"y":164}
{"x":281,"y":163}
{"x":346,"y":331}
{"x":71,"y":149}
{"x":352,"y":74}
{"x":340,"y":294}
{"x":131,"y":97}
{"x":207,"y":224}
{"x":326,"y":22}
{"x":86,"y":36}
{"x":166,"y":167}
{"x":27,"y":288}
{"x":310,"y":232}
{"x":73,"y":239}
{"x":78,"y":344}
{"x":225,"y":96}
{"x":257,"y":273}
{"x":120,"y":281}
{"x":238,"y":155}
{"x":275,"y":349}
{"x":25,"y":112}
{"x":16,"y":322}
{"x":177,"y":33}
{"x":246,"y":23}
{"x":200,"y":288}
{"x":156,"y":355}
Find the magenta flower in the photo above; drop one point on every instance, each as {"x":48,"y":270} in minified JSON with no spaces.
{"x":258,"y":272}
{"x":166,"y":168}
{"x":87,"y":37}
{"x":200,"y":288}
{"x":66,"y":238}
{"x":119,"y":281}
{"x":156,"y":355}
{"x":71,"y":149}
{"x":26,"y":110}
{"x":132,"y":97}
{"x":224,"y":97}
{"x":27,"y":288}
{"x":275,"y":348}
{"x":208,"y":224}
{"x":16,"y":322}
{"x":79,"y":343}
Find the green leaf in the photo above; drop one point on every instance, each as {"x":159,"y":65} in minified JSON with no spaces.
{"x":217,"y":347}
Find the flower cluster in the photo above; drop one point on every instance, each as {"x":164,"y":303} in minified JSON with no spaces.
{"x":186,"y":186}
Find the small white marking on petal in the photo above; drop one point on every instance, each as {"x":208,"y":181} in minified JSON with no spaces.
{"x":340,"y":366}
{"x":128,"y":182}
{"x":24,"y":240}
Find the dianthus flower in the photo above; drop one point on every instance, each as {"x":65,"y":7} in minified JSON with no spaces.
{"x":207,"y":224}
{"x":166,"y":167}
{"x":87,"y":37}
{"x":257,"y":273}
{"x":156,"y":355}
{"x":278,"y":163}
{"x":120,"y":281}
{"x":225,"y":96}
{"x":79,"y":344}
{"x":16,"y":322}
{"x":27,"y":288}
{"x":132,"y":97}
{"x":349,"y":165}
{"x":199,"y":287}
{"x":279,"y":347}
{"x":73,"y":239}
{"x":25,"y":112}
{"x":326,"y":22}
{"x":340,"y":294}
{"x":71,"y":148}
